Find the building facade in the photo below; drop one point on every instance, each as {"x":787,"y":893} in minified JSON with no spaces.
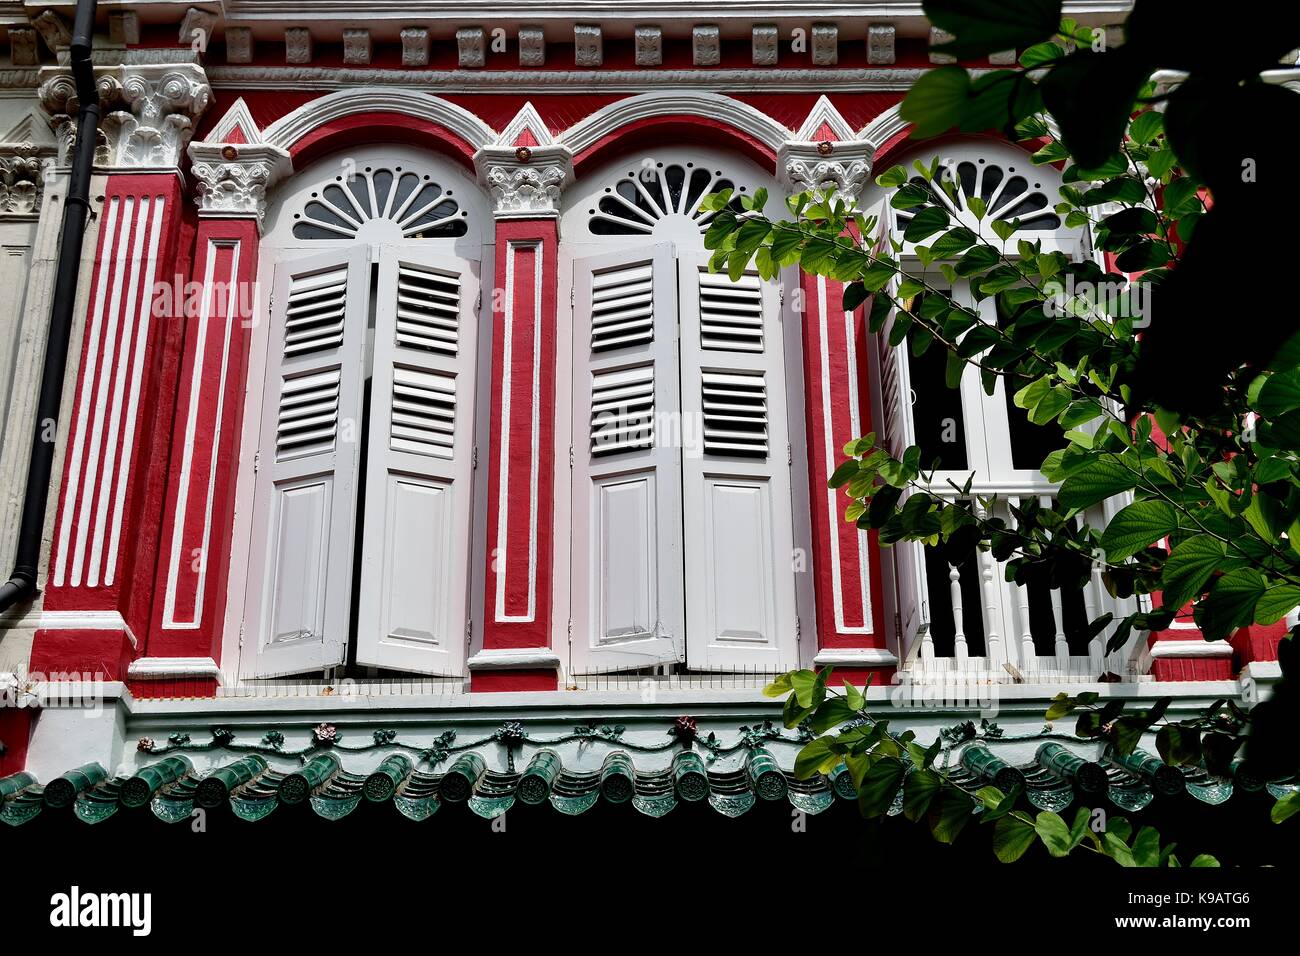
{"x":407,"y":436}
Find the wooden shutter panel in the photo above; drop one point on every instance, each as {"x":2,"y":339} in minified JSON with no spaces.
{"x":897,"y":434}
{"x":415,"y":549}
{"x":739,"y":536}
{"x":305,"y":491}
{"x":627,"y":522}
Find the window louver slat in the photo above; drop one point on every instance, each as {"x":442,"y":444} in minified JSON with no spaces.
{"x":428,"y":310}
{"x":622,"y":308}
{"x":308,"y":415}
{"x":731,"y":313}
{"x":314,"y":313}
{"x":622,"y":410}
{"x":735,"y":413}
{"x":424,"y":413}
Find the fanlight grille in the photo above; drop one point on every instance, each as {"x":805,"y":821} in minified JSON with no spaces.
{"x":421,"y":208}
{"x":1008,"y":194}
{"x":638,"y":200}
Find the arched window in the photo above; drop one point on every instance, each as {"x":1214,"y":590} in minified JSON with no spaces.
{"x":364,"y":433}
{"x":682,"y":518}
{"x":960,"y":608}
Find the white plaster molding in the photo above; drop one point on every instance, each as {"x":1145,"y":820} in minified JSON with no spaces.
{"x":232,"y":179}
{"x":880,"y":43}
{"x":532,"y":46}
{"x":297,"y":45}
{"x":512,"y":659}
{"x":726,"y":109}
{"x":588,"y":45}
{"x":706,"y":46}
{"x":22,"y":177}
{"x":527,"y":189}
{"x":1198,"y":649}
{"x":54,"y":30}
{"x":471,"y":48}
{"x":290,"y":128}
{"x":239,"y":45}
{"x":526,"y":119}
{"x":765,"y":44}
{"x":1003,"y":58}
{"x":856,"y":657}
{"x":415,"y":46}
{"x":71,"y":621}
{"x":356,"y":47}
{"x":825,"y":114}
{"x":883,"y":128}
{"x":162,"y":668}
{"x":649,"y":46}
{"x":841,"y":166}
{"x":239,"y":118}
{"x":58,"y":98}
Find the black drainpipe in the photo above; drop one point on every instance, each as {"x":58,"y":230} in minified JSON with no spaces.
{"x":22,"y":583}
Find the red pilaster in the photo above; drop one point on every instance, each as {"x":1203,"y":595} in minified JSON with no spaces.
{"x":521,"y":459}
{"x":99,"y":588}
{"x":846,"y":562}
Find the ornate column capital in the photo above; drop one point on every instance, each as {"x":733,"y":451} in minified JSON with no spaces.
{"x":839,"y":169}
{"x":149,"y":111}
{"x":22,"y":177}
{"x":526,"y":182}
{"x":232,"y":178}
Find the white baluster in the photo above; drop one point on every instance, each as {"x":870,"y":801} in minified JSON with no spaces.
{"x":1027,"y":652}
{"x":988,"y":591}
{"x":959,"y":634}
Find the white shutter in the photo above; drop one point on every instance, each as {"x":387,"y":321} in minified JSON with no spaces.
{"x":739,"y":537}
{"x":305,"y":494}
{"x":627,"y":523}
{"x":415,"y":549}
{"x":897,"y":434}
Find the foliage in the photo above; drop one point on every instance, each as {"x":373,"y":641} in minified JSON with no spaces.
{"x":882,"y":762}
{"x":1193,"y":421}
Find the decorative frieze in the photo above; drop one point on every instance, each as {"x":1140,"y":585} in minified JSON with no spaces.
{"x":825,"y":44}
{"x":22,"y":47}
{"x":880,"y":44}
{"x":1003,"y":58}
{"x":706,"y":46}
{"x":54,"y":30}
{"x":231,"y":180}
{"x":766,"y":42}
{"x":938,"y":37}
{"x":532,"y":46}
{"x":356,"y":47}
{"x":124,"y":27}
{"x":415,"y":46}
{"x":649,"y":46}
{"x":588,"y":47}
{"x":471,"y":47}
{"x":297,"y":45}
{"x":239,"y":45}
{"x":197,"y":27}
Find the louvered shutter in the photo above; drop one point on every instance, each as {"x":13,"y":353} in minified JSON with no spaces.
{"x":627,"y":522}
{"x":305,"y":491}
{"x":739,"y":537}
{"x":897,"y":434}
{"x":415,"y":543}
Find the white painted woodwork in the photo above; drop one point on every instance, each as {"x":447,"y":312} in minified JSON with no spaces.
{"x":739,"y":538}
{"x":627,"y":499}
{"x":413,"y":604}
{"x":305,"y":488}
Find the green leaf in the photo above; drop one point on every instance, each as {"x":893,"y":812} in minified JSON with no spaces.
{"x":1284,"y":809}
{"x":831,"y":712}
{"x":1178,"y":745}
{"x":1188,"y":568}
{"x":1041,"y":53}
{"x":876,"y":793}
{"x":1011,"y":838}
{"x":951,"y":815}
{"x":1056,"y":836}
{"x":815,"y":757}
{"x":779,"y":687}
{"x":937,"y":101}
{"x":1275,"y":603}
{"x":1230,"y":603}
{"x":980,"y":28}
{"x":926,"y":223}
{"x":892,"y":177}
{"x":1095,"y":482}
{"x":919,"y":789}
{"x":1280,"y":394}
{"x":804,"y":683}
{"x":1146,"y":847}
{"x":1135,"y":527}
{"x":1146,"y":126}
{"x":1205,"y":860}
